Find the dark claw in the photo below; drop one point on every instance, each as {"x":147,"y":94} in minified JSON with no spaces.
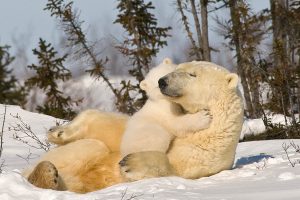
{"x":60,"y":133}
{"x":122,"y":163}
{"x":53,"y":128}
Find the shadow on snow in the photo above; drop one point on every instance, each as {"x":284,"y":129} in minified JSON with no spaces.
{"x":250,"y":159}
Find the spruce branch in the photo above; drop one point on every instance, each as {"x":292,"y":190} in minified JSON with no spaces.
{"x":11,"y":91}
{"x":49,"y":71}
{"x":76,"y":37}
{"x":143,"y":42}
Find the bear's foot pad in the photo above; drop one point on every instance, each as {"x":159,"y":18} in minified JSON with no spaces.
{"x":45,"y":175}
{"x":148,"y":164}
{"x":57,"y":135}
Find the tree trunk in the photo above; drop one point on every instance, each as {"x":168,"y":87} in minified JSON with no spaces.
{"x":255,"y":93}
{"x":281,"y":50}
{"x":241,"y":62}
{"x":198,"y":27}
{"x":196,"y":51}
{"x":205,"y":42}
{"x":279,"y":37}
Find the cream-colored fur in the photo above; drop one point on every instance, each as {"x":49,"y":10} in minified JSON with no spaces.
{"x":196,"y":155}
{"x":198,"y":85}
{"x":91,"y":124}
{"x":212,"y":150}
{"x":154,"y":126}
{"x":83,"y":166}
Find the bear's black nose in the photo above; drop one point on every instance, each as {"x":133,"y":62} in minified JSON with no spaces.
{"x":162,"y":83}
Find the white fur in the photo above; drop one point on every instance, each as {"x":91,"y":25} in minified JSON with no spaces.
{"x":205,"y":152}
{"x":154,"y":126}
{"x":212,"y":150}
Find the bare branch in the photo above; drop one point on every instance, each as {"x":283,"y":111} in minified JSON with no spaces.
{"x":2,"y":165}
{"x":261,"y":166}
{"x":188,"y":31}
{"x":23,"y":132}
{"x":2,"y":131}
{"x":132,"y":196}
{"x":296,"y":148}
{"x":29,"y":156}
{"x":224,"y":5}
{"x":71,"y":25}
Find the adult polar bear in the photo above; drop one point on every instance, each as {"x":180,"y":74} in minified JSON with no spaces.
{"x":195,"y":86}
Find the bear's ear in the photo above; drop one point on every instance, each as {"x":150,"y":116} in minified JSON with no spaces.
{"x":232,"y":80}
{"x":143,"y":85}
{"x":167,"y":61}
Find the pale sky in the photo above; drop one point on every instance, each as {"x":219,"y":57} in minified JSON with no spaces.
{"x":27,"y":19}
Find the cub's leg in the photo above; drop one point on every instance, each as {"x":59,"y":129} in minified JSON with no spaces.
{"x":90,"y":124}
{"x":45,"y":175}
{"x":74,"y":130}
{"x":65,"y":134}
{"x":147,"y":164}
{"x":142,"y":135}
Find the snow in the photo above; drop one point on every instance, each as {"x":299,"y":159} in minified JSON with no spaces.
{"x":94,"y":93}
{"x":256,"y":126}
{"x":261,"y":171}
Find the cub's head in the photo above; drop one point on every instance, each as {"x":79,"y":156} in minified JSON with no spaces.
{"x":150,"y":83}
{"x":194,"y":85}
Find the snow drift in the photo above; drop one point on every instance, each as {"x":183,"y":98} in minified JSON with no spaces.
{"x":261,"y":171}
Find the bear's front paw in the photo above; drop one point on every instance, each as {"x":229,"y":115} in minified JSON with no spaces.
{"x":148,"y":164}
{"x":205,"y":119}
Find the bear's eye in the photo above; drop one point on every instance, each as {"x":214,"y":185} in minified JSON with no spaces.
{"x":192,"y":74}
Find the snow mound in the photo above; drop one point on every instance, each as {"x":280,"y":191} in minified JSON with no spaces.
{"x":261,"y":171}
{"x":256,"y":126}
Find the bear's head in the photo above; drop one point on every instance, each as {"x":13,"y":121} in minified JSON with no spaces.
{"x":194,"y":85}
{"x":150,"y":83}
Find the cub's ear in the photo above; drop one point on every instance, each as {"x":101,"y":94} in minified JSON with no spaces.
{"x":143,"y":85}
{"x":167,"y":61}
{"x":232,"y":80}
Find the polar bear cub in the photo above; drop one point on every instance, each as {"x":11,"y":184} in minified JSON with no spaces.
{"x":154,"y":126}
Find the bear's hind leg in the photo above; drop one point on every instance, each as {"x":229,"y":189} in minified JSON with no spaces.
{"x":45,"y":175}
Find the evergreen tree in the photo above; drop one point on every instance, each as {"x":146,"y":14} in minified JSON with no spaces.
{"x":77,"y":40}
{"x":49,"y":71}
{"x":144,"y":40}
{"x":245,"y":30}
{"x":10,"y":90}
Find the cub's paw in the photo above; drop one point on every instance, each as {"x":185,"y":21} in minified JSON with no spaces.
{"x":45,"y":176}
{"x":199,"y":121}
{"x":57,"y":135}
{"x":148,"y":164}
{"x":205,"y":118}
